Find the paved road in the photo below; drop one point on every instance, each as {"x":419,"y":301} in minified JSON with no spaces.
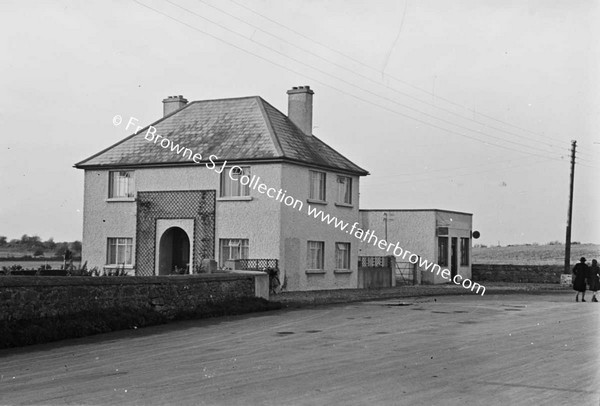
{"x":495,"y":350}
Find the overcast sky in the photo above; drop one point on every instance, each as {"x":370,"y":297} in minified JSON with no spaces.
{"x":459,"y":105}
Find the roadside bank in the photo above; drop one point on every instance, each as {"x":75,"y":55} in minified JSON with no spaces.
{"x":321,"y":297}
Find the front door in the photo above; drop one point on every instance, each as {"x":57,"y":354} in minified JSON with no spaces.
{"x":454,"y":257}
{"x":174,"y":252}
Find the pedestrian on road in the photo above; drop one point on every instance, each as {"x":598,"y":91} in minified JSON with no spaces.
{"x":581,"y":274}
{"x":594,"y":279}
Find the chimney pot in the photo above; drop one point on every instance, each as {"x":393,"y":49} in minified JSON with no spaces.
{"x":300,"y":108}
{"x":173,"y":103}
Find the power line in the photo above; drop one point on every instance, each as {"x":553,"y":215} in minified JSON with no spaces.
{"x":427,"y":172}
{"x":390,"y":76}
{"x":562,"y":149}
{"x":391,"y":184}
{"x":351,"y":84}
{"x":327,"y":85}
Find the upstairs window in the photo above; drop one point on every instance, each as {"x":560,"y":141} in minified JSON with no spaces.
{"x":317,"y":186}
{"x":230,"y":182}
{"x":120,"y":184}
{"x":344,"y":184}
{"x":464,"y":251}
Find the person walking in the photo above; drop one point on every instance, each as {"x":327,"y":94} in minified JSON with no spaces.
{"x":581,"y":275}
{"x":594,"y":279}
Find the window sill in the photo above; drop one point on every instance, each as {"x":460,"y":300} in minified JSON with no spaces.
{"x":118,"y":266}
{"x":313,"y":201}
{"x":350,"y":206}
{"x":343,"y":271}
{"x":234,"y":198}
{"x":120,"y":199}
{"x":315,"y":271}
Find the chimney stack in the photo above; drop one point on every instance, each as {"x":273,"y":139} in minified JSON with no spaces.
{"x":173,"y":103}
{"x":300,"y":106}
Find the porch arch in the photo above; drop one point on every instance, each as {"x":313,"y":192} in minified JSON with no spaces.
{"x":174,"y":246}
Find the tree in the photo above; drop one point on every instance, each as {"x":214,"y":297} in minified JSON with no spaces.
{"x":61,"y":247}
{"x":31,"y":243}
{"x":75,"y":246}
{"x":3,"y":241}
{"x":50,"y":244}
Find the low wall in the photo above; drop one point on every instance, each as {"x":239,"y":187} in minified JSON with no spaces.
{"x":517,"y":273}
{"x":28,"y":297}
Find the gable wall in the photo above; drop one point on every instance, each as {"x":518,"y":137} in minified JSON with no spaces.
{"x":297,"y":228}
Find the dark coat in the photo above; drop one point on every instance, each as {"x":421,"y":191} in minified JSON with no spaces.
{"x":581,"y":272}
{"x":594,"y":278}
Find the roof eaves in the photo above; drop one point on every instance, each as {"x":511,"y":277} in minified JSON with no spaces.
{"x":237,"y":161}
{"x":185,"y":163}
{"x":324,"y":167}
{"x":359,"y":169}
{"x":417,"y":210}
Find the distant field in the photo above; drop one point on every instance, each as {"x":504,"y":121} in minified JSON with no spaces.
{"x":7,"y":253}
{"x":12,"y":253}
{"x":35,"y":264}
{"x":534,"y":255}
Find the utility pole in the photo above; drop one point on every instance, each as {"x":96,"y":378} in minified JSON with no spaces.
{"x":567,"y":269}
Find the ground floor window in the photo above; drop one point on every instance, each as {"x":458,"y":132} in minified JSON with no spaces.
{"x":314,"y":258}
{"x":464,"y":251}
{"x":443,"y":251}
{"x":119,"y":251}
{"x":342,"y":255}
{"x":233,"y":248}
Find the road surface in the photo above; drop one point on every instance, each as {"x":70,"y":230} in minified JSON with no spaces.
{"x":456,"y":350}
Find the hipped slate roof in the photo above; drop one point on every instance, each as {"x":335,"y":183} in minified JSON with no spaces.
{"x":240,"y":129}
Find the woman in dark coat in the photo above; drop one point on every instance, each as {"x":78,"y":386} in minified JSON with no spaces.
{"x":594,"y":279}
{"x":581,"y":274}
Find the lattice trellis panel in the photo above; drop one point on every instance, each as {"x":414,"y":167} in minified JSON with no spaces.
{"x":259,"y":264}
{"x":374,"y":262}
{"x":193,"y":204}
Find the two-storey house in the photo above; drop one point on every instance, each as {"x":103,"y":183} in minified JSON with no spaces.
{"x":227,"y":179}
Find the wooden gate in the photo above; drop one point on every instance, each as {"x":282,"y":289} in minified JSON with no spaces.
{"x":407,"y":273}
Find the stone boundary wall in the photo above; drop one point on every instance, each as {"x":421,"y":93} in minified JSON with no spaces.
{"x":29,"y":297}
{"x":517,"y":273}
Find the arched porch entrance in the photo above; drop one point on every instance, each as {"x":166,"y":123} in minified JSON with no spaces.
{"x":174,"y":252}
{"x":174,"y":246}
